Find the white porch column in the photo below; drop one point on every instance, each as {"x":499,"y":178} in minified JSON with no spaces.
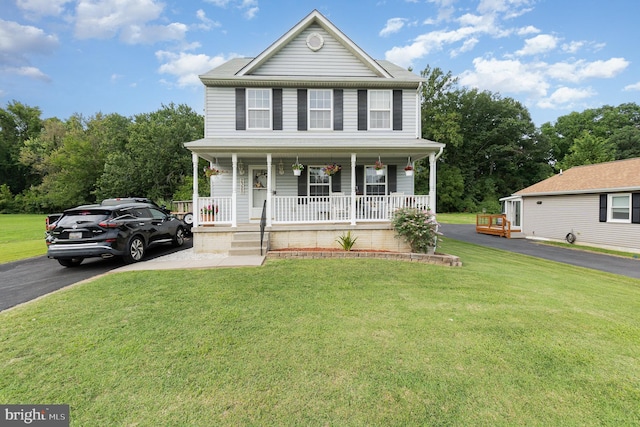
{"x":194,"y":201}
{"x":353,"y":188}
{"x":234,"y":194}
{"x":432,"y":181}
{"x":269,"y":190}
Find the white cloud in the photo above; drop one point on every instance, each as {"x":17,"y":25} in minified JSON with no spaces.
{"x":510,"y":76}
{"x":127,"y":18}
{"x":206,"y":23}
{"x":40,"y":8}
{"x":187,"y":67}
{"x":635,"y":86}
{"x":538,"y":44}
{"x":393,"y":26}
{"x":525,"y":31}
{"x":581,"y":70}
{"x":249,"y":8}
{"x":566,"y":97}
{"x":18,"y":43}
{"x":27,"y":71}
{"x":573,"y":47}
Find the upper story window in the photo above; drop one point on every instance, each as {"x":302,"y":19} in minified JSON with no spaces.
{"x":259,"y":108}
{"x":379,"y":109}
{"x":320,"y":104}
{"x":619,"y":208}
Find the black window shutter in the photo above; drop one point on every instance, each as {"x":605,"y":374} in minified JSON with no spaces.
{"x":635,"y":208}
{"x":277,"y":109}
{"x":603,"y":208}
{"x":337,"y":109}
{"x":362,"y":110}
{"x":336,"y":182}
{"x":241,"y":111}
{"x":397,"y":110}
{"x":302,"y":109}
{"x":392,"y":176}
{"x":359,"y":179}
{"x":302,"y":184}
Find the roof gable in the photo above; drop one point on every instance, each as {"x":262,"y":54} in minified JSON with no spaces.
{"x":295,"y":38}
{"x":621,"y":175}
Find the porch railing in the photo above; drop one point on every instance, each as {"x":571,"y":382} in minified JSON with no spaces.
{"x":337,"y":208}
{"x":313,"y":209}
{"x":217,"y":210}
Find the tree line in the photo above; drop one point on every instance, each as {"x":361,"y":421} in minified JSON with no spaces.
{"x":493,"y":149}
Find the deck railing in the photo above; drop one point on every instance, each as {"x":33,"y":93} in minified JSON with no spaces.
{"x":216,"y":210}
{"x":496,"y":224}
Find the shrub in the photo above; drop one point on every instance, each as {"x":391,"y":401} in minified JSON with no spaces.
{"x":418,"y":227}
{"x":346,"y":241}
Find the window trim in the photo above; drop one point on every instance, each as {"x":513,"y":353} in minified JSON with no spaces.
{"x":310,"y":110}
{"x":610,"y":208}
{"x":367,"y":183}
{"x":269,"y":109}
{"x":328,"y":184}
{"x":370,"y":109}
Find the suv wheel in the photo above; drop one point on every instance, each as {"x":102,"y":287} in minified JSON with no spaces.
{"x":70,"y":262}
{"x":178,"y":240}
{"x":135,"y":250}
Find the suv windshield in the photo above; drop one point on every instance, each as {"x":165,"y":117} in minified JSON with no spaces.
{"x":82,"y":217}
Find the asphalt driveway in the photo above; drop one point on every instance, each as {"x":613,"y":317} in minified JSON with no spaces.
{"x":612,"y":264}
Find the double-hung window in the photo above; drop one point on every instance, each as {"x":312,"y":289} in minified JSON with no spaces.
{"x":259,"y":108}
{"x":619,"y":208}
{"x":319,"y":182}
{"x":379,"y":109}
{"x":320,"y":103}
{"x":375,"y":185}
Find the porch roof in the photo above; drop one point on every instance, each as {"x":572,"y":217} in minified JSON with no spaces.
{"x":210,"y":148}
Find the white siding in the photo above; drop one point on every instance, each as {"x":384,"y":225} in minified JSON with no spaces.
{"x":221,"y":117}
{"x":296,"y":59}
{"x":557,"y":216}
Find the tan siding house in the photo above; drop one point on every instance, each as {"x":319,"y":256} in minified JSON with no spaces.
{"x":591,"y":205}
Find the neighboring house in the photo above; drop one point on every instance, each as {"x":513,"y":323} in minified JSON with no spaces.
{"x":315,"y":98}
{"x":593,"y":204}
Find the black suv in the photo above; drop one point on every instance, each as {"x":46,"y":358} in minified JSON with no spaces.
{"x":126,"y":228}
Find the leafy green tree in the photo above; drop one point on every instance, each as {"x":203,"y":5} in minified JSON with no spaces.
{"x":587,"y":150}
{"x":18,"y":123}
{"x":153,"y":162}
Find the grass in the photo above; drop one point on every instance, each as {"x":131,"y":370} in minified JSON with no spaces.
{"x":456,"y":218}
{"x":21,"y":236}
{"x":590,"y":249}
{"x":505,"y":340}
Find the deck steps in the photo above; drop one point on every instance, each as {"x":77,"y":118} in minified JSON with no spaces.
{"x":247,"y":243}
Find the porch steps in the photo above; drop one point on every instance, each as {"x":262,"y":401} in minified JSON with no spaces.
{"x":247,"y":243}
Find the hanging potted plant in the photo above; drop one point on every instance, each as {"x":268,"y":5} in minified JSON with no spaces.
{"x":210,"y":171}
{"x":331,"y":169}
{"x":379,"y":166}
{"x":297,"y":168}
{"x":408,"y":170}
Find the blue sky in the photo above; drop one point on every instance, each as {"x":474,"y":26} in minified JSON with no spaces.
{"x":132,"y":56}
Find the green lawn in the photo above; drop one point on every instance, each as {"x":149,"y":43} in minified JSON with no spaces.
{"x":505,"y":340}
{"x":456,"y":218}
{"x":21,"y":236}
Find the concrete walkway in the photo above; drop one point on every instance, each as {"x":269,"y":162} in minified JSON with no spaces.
{"x":188,"y":259}
{"x":612,"y":264}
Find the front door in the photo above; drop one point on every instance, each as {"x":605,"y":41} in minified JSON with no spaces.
{"x":258,"y":193}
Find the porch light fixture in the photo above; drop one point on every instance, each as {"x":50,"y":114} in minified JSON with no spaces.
{"x":240,"y":168}
{"x":280,"y":168}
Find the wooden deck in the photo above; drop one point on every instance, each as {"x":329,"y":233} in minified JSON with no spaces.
{"x":496,"y":224}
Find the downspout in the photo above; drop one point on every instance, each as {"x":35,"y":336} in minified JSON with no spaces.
{"x":269,"y":189}
{"x":353,"y":188}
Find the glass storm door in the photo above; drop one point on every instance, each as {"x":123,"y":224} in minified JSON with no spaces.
{"x":258,"y":193}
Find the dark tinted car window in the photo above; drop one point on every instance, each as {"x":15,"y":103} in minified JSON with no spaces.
{"x":156,"y":214}
{"x":82,"y":217}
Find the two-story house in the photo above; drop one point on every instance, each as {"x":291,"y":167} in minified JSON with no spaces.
{"x":312,"y":98}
